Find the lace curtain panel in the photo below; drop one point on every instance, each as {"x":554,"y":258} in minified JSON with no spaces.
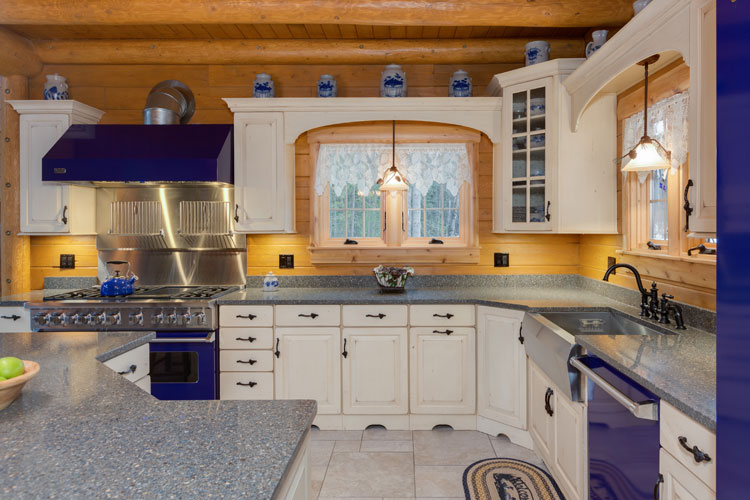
{"x":363,"y":164}
{"x":667,"y":123}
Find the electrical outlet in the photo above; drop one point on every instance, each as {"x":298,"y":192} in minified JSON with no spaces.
{"x":502,"y":260}
{"x":67,"y":261}
{"x":611,"y":261}
{"x":286,"y":261}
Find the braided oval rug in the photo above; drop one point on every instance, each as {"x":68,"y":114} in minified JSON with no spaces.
{"x":509,"y":479}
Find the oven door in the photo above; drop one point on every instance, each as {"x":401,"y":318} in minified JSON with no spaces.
{"x":183,"y":365}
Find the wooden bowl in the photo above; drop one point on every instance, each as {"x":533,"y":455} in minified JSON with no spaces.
{"x":10,"y":389}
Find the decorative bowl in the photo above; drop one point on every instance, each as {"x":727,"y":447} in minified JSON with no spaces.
{"x":392,"y":279}
{"x":10,"y":389}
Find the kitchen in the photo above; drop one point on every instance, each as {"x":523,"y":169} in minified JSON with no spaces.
{"x":507,"y":346}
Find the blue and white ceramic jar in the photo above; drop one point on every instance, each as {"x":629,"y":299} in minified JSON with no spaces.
{"x":537,"y":52}
{"x":56,"y":88}
{"x":270,"y":283}
{"x":393,"y":82}
{"x":327,"y":86}
{"x":263,"y":86}
{"x":598,"y":38}
{"x":460,"y":84}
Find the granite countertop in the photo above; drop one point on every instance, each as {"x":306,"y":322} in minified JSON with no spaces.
{"x":81,"y":431}
{"x":680,"y":369}
{"x":20,"y":299}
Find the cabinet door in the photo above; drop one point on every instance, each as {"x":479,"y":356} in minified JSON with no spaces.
{"x":528,"y":162}
{"x":263,"y":174}
{"x":679,"y":483}
{"x":45,"y":207}
{"x":540,"y":422}
{"x":570,"y":446}
{"x":501,"y":367}
{"x":442,"y":376}
{"x":703,"y":115}
{"x":309,"y":366}
{"x":376,"y":371}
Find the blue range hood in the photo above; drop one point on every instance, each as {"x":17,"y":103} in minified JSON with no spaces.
{"x":141,"y":153}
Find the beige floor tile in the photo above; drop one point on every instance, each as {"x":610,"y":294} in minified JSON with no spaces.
{"x":504,"y":448}
{"x":439,"y":481}
{"x":398,"y":446}
{"x":317,"y":474}
{"x":346,"y":446}
{"x":336,"y":435}
{"x":379,"y":433}
{"x":356,"y":475}
{"x":320,"y":452}
{"x":449,"y":447}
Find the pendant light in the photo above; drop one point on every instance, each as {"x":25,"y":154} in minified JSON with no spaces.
{"x":648,"y":154}
{"x":392,"y":179}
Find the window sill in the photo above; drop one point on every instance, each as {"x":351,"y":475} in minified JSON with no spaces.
{"x":411,"y":255}
{"x":696,"y":259}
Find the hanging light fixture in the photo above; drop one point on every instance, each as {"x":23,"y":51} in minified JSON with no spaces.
{"x":648,"y":154}
{"x":392,"y":179}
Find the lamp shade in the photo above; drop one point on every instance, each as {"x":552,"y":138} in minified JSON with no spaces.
{"x":647,"y":155}
{"x":392,"y":180}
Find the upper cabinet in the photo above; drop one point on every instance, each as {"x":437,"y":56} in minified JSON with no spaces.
{"x":46,"y":207}
{"x":546,"y":177}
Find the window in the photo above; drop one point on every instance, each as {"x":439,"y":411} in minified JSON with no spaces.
{"x":434,"y":214}
{"x":354,"y":214}
{"x":658,"y":221}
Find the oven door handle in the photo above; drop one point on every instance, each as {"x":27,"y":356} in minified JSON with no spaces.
{"x":647,"y":410}
{"x":173,"y":340}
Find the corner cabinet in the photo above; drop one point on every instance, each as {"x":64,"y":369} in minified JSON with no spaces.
{"x":47,"y":207}
{"x":547,"y":178}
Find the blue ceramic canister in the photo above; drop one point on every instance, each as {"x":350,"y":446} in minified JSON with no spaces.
{"x":393,"y":82}
{"x":460,"y":85}
{"x":263,"y":86}
{"x":56,"y":88}
{"x":327,"y":86}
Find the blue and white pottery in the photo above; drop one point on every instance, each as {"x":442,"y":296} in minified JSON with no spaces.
{"x":327,"y":86}
{"x":598,"y":39}
{"x":263,"y":86}
{"x":56,"y":88}
{"x":537,"y":52}
{"x":639,"y":5}
{"x":270,"y":283}
{"x":537,"y":141}
{"x":536,"y":106}
{"x":393,"y":82}
{"x":460,"y":84}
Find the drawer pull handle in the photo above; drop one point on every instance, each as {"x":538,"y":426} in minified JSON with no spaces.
{"x":547,"y":397}
{"x":249,"y":316}
{"x":249,"y":384}
{"x":345,"y":353}
{"x":250,"y":362}
{"x":379,"y":315}
{"x":659,"y":480}
{"x":249,"y":339}
{"x":277,"y":353}
{"x":446,"y":316}
{"x":520,"y":333}
{"x":446,"y":332}
{"x":129,"y":370}
{"x":311,"y":315}
{"x":14,"y":317}
{"x":698,"y":455}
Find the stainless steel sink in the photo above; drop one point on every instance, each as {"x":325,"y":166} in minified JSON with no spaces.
{"x":598,"y":323}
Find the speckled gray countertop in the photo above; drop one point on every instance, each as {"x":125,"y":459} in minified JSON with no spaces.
{"x":680,"y":369}
{"x":81,"y":431}
{"x":20,"y":299}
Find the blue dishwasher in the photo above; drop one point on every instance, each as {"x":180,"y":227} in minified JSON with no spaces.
{"x":623,"y":434}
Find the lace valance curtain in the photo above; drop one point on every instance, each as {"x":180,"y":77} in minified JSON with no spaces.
{"x":667,"y":123}
{"x":363,"y":164}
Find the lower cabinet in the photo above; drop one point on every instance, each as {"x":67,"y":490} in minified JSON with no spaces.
{"x":133,"y":365}
{"x":541,"y":424}
{"x":298,"y":482}
{"x":679,"y":483}
{"x":375,"y":371}
{"x":442,"y":379}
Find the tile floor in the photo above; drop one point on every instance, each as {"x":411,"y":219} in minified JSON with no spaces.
{"x":378,"y":464}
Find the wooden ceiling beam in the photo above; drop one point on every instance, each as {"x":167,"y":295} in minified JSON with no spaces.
{"x":421,"y":51}
{"x":537,"y":13}
{"x":17,"y":55}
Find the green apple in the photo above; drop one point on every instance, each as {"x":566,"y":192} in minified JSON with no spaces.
{"x":10,"y":367}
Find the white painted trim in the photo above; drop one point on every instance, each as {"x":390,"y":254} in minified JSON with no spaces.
{"x":516,"y":436}
{"x":390,"y":422}
{"x":458,"y":422}
{"x":555,"y":67}
{"x":81,"y":113}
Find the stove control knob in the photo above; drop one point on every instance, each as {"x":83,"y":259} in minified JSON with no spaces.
{"x":157,"y":319}
{"x":186,"y":318}
{"x":64,"y":319}
{"x":54,"y":319}
{"x":172,"y":318}
{"x":76,"y":319}
{"x":41,"y":319}
{"x":112,"y":319}
{"x":200,"y":318}
{"x":92,"y":319}
{"x":135,"y":318}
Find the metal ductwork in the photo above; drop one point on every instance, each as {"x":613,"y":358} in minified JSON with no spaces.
{"x":170,"y":102}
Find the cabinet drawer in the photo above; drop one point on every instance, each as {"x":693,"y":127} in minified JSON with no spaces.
{"x":374,"y":315}
{"x":674,"y":425}
{"x":246,"y":316}
{"x":313,"y":315}
{"x":132,"y":365}
{"x":248,"y":385}
{"x":14,"y":319}
{"x":442,"y":314}
{"x":245,"y":361}
{"x":144,"y":384}
{"x":245,"y":338}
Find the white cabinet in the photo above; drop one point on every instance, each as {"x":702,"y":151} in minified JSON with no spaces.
{"x":263,"y":174}
{"x":548,"y":178}
{"x":46,"y":207}
{"x":308,"y":366}
{"x":501,"y":366}
{"x":133,"y":365}
{"x":541,"y":425}
{"x":442,"y":375}
{"x":298,"y":483}
{"x":679,"y":483}
{"x":375,"y":371}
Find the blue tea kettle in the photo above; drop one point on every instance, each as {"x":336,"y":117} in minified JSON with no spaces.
{"x":119,"y":279}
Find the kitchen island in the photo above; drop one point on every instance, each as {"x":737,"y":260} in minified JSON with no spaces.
{"x":79,"y":430}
